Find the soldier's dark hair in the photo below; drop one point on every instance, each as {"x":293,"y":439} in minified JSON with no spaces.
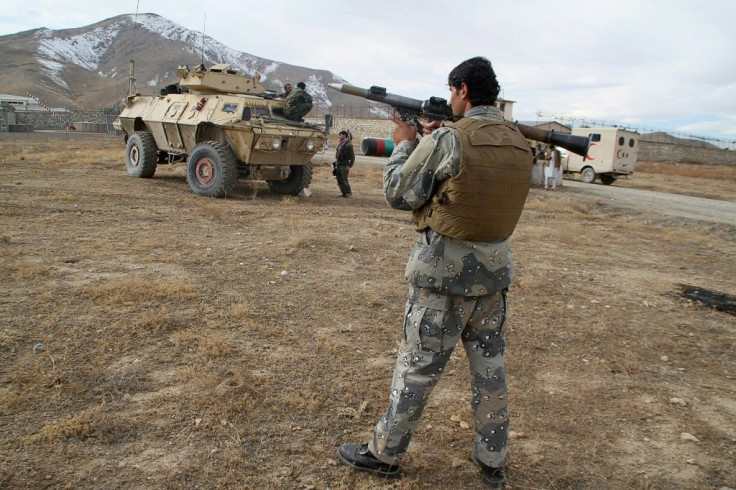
{"x":343,"y":132}
{"x":477,"y":73}
{"x":301,"y":85}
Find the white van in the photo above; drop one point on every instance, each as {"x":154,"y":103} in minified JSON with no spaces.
{"x":612,"y":153}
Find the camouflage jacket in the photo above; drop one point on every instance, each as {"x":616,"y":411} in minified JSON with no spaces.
{"x":298,"y":104}
{"x":437,"y":261}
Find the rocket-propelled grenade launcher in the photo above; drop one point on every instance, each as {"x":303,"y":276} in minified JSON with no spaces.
{"x":437,"y":109}
{"x":434,"y":108}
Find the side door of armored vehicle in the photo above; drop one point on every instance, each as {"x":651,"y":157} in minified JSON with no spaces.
{"x":170,"y":124}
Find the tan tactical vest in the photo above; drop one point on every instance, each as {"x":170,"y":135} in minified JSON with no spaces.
{"x":483,"y":202}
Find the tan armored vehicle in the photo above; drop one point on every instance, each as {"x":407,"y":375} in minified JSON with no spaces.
{"x":225,"y":126}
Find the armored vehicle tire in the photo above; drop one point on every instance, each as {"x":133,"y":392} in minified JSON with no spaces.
{"x":587,"y":175}
{"x":300,"y":176}
{"x":607,"y":179}
{"x":211,"y":170}
{"x":141,"y":155}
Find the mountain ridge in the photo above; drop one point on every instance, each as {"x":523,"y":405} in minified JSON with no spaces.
{"x":87,"y":67}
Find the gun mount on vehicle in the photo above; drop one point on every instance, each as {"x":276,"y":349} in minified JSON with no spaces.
{"x":225,"y":126}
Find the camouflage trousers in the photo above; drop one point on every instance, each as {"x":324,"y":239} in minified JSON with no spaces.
{"x":341,"y":174}
{"x":433,"y":325}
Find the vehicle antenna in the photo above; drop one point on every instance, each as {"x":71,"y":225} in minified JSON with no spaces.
{"x":132,"y":87}
{"x":204,"y":25}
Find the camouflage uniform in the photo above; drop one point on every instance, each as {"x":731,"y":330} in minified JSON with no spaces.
{"x":458,"y":291}
{"x":298,"y":104}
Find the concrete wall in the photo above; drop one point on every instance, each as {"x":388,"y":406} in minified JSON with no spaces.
{"x":86,"y":121}
{"x":61,"y":135}
{"x":7,"y":117}
{"x":360,"y":128}
{"x":650,"y":151}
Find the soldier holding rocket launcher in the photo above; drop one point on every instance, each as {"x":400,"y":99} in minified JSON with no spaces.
{"x":465,"y":184}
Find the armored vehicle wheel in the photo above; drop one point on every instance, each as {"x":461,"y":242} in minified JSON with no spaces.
{"x":211,"y":170}
{"x":300,"y":176}
{"x":587,"y":175}
{"x":141,"y":155}
{"x":607,"y":179}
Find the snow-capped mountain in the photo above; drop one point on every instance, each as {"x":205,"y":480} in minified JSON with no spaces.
{"x":88,"y":67}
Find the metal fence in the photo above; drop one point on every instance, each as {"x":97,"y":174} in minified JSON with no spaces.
{"x":653,"y":134}
{"x":657,"y":135}
{"x":648,"y":133}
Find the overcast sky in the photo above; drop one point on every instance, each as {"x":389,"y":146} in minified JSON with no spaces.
{"x":654,"y":64}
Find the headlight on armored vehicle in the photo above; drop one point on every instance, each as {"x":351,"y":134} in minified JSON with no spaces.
{"x":310,"y":145}
{"x":268,"y":143}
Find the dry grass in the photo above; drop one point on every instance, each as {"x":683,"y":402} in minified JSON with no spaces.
{"x":694,"y":179}
{"x":697,"y":170}
{"x":153,"y":338}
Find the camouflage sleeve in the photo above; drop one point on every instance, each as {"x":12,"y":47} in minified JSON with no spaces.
{"x":296,"y":97}
{"x":412,"y":174}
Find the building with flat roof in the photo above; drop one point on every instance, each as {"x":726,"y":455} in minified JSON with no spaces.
{"x":548,"y":126}
{"x":506,"y":107}
{"x":20,"y":103}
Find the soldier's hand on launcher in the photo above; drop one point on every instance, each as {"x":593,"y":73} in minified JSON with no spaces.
{"x":430,"y":126}
{"x":403,"y":131}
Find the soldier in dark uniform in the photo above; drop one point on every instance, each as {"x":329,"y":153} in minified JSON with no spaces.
{"x":344,"y":161}
{"x":466,"y":183}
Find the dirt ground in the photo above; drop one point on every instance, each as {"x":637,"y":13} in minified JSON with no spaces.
{"x":152,"y":338}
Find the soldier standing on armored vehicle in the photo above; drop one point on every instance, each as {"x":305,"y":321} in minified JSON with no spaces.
{"x":466,"y":184}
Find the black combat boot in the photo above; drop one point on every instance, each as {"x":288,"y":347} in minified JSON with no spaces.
{"x":361,"y":459}
{"x":494,"y":477}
